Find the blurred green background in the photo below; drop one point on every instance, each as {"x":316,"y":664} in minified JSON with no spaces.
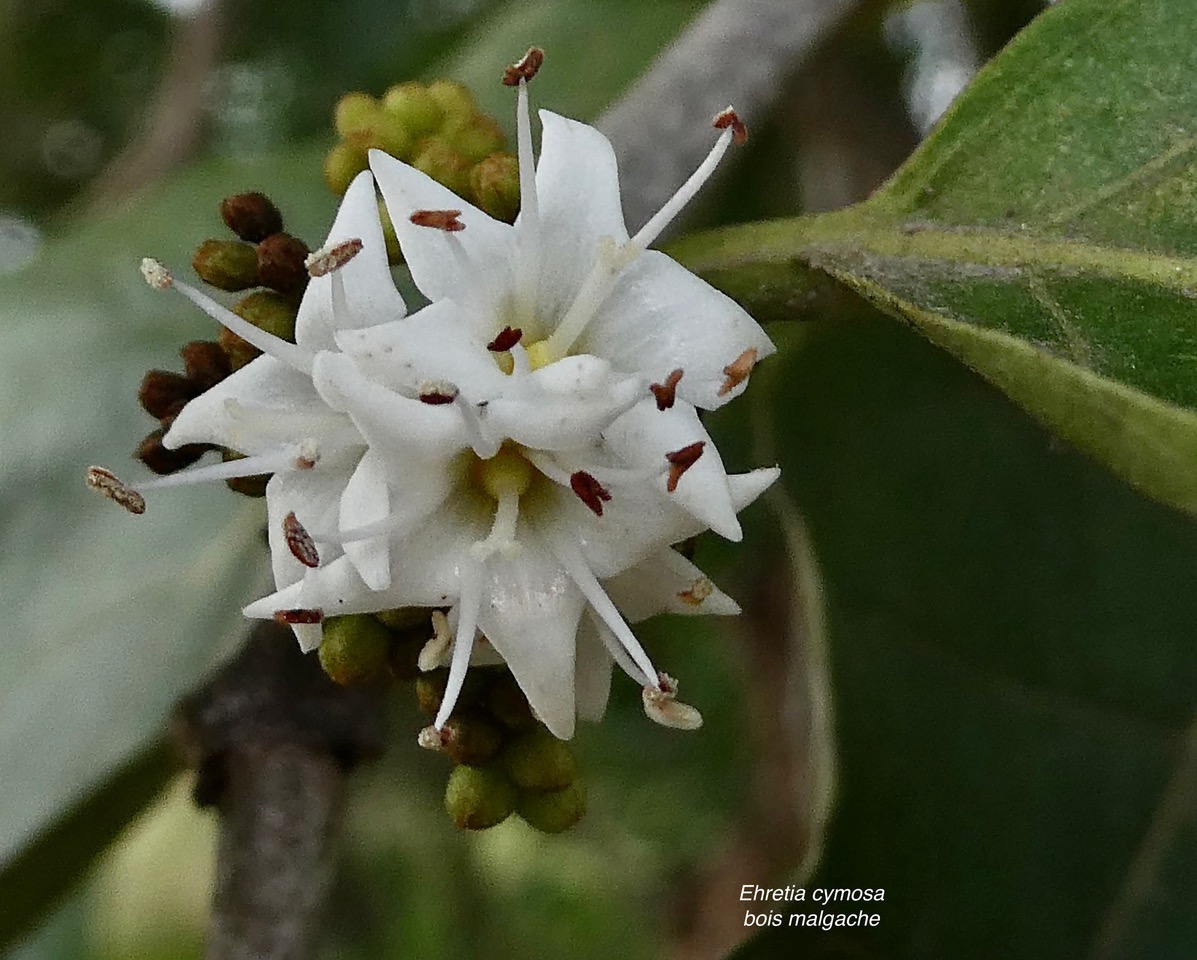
{"x":943,"y":598}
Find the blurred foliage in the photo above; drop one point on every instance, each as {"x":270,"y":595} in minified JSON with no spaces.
{"x":1008,"y":623}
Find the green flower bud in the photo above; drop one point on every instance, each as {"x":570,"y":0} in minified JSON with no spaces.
{"x":430,"y":687}
{"x":388,"y":135}
{"x":441,"y":162}
{"x":415,"y":109}
{"x":479,"y":797}
{"x":553,"y":812}
{"x":355,"y":114}
{"x":455,"y":100}
{"x":539,"y":762}
{"x":246,"y":486}
{"x":495,"y":184}
{"x":477,"y":139}
{"x":266,"y":310}
{"x":506,"y":702}
{"x":227,"y":264}
{"x":341,"y":164}
{"x":355,"y":648}
{"x":471,"y":739}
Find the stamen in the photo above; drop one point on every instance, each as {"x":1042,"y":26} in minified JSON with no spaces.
{"x":300,"y":542}
{"x":329,"y":259}
{"x":527,"y":263}
{"x":106,"y":482}
{"x":697,"y":592}
{"x":439,"y":220}
{"x":437,"y":392}
{"x":675,"y":204}
{"x":432,"y":654}
{"x":661,"y":707}
{"x":520,"y":363}
{"x":737,"y":371}
{"x":682,"y":460}
{"x":430,"y":738}
{"x":396,"y":524}
{"x":666,"y":393}
{"x":279,"y":460}
{"x":617,"y":651}
{"x":508,"y":337}
{"x":484,"y":446}
{"x":299,"y":616}
{"x":158,"y":277}
{"x":610,"y":261}
{"x":525,"y":69}
{"x":727,"y":118}
{"x":469,"y":605}
{"x":574,"y":564}
{"x":589,"y":491}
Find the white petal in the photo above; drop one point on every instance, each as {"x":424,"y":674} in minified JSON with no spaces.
{"x":425,"y":570}
{"x":746,"y":487}
{"x":370,"y":294}
{"x":398,"y":427}
{"x":366,"y":500}
{"x":564,"y":405}
{"x":530,"y":615}
{"x":432,"y":344}
{"x":660,"y":317}
{"x":578,"y":190}
{"x":472,"y":266}
{"x":314,"y":497}
{"x":592,"y":672}
{"x":667,"y":582}
{"x":264,"y":383}
{"x":642,"y":437}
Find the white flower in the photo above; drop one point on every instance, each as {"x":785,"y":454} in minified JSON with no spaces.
{"x":523,"y":450}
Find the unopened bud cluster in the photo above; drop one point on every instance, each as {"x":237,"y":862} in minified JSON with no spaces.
{"x":505,"y":760}
{"x":438,"y":129}
{"x":264,"y":260}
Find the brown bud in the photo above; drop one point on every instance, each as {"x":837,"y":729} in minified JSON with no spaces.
{"x":471,"y":739}
{"x":227,"y":264}
{"x":205,"y":363}
{"x":254,"y":486}
{"x":251,"y":216}
{"x":506,"y":702}
{"x":281,"y":263}
{"x":161,"y":460}
{"x":163,"y":394}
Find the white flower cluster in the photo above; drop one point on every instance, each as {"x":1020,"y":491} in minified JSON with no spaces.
{"x":522,"y":451}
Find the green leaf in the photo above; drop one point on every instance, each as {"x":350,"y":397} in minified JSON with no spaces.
{"x":1012,"y":663}
{"x":1045,"y":234}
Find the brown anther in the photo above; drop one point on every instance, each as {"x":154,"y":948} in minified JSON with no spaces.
{"x":327,"y":259}
{"x":737,"y":371}
{"x":666,"y":392}
{"x":527,"y":67}
{"x":303,"y":462}
{"x":697,"y":592}
{"x":729,"y":118}
{"x":163,"y":394}
{"x":106,"y":482}
{"x":300,"y":542}
{"x":251,"y":216}
{"x":437,"y":392}
{"x":666,"y":685}
{"x":508,"y":337}
{"x":589,"y":491}
{"x":438,"y":219}
{"x":299,"y":616}
{"x":682,"y":460}
{"x":205,"y":363}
